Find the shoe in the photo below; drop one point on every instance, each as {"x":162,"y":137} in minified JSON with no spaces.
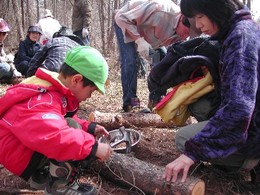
{"x":145,"y":110}
{"x":61,"y":187}
{"x":248,"y":186}
{"x":127,"y":108}
{"x":252,"y":186}
{"x":152,"y":104}
{"x":134,"y":103}
{"x":39,"y":179}
{"x":63,"y":179}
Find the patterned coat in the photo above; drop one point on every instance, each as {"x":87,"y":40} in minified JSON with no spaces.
{"x":236,"y":125}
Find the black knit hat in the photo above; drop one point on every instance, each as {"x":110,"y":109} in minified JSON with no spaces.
{"x":67,"y":32}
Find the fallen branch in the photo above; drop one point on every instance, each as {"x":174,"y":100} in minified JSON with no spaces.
{"x":145,"y":177}
{"x":116,"y":120}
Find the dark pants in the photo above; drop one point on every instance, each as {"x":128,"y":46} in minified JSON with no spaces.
{"x":23,"y":67}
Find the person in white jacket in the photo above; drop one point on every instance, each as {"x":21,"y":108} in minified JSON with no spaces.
{"x":7,"y":68}
{"x":142,"y":26}
{"x":48,"y":25}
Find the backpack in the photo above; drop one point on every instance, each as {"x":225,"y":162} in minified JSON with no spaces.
{"x":184,"y":62}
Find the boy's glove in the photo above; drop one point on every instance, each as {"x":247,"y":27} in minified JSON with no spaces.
{"x":143,"y":47}
{"x":85,"y":32}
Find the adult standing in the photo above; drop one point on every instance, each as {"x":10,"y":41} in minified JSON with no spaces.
{"x":149,"y":25}
{"x":81,"y":19}
{"x":48,"y":25}
{"x":231,"y":137}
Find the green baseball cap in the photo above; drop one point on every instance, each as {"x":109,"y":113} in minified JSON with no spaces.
{"x":90,"y":63}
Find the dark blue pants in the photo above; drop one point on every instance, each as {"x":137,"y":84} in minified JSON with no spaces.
{"x":128,"y":55}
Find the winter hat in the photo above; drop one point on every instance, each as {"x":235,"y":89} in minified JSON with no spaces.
{"x":34,"y":29}
{"x":47,"y":13}
{"x":67,"y":32}
{"x":90,"y":63}
{"x":4,"y":27}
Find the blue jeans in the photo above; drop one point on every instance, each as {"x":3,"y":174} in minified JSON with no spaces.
{"x":85,"y":40}
{"x":128,"y":56}
{"x":5,"y":70}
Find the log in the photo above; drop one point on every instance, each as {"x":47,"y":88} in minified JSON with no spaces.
{"x":145,"y":177}
{"x":115,"y":120}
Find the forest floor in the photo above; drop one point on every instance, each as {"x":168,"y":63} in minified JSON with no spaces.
{"x":156,"y":146}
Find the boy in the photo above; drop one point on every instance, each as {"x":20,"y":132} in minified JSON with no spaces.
{"x":34,"y":128}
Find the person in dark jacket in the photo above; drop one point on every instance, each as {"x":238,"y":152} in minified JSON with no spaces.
{"x":81,"y":19}
{"x":52,"y":54}
{"x":230,"y":139}
{"x":27,"y":49}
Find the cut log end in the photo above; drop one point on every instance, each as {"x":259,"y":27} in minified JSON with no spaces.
{"x":198,"y":189}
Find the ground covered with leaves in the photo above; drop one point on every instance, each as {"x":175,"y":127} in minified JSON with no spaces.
{"x":156,"y":146}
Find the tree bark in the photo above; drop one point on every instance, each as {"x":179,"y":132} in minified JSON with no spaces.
{"x":115,"y":120}
{"x":145,"y":177}
{"x":18,"y":20}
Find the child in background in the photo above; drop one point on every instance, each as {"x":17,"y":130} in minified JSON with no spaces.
{"x":27,"y":49}
{"x":7,"y":68}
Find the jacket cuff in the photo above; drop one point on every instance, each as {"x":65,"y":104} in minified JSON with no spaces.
{"x":92,"y":127}
{"x":92,"y":156}
{"x":191,"y":157}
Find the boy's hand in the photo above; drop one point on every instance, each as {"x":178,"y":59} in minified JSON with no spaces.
{"x":100,"y":130}
{"x":104,"y":151}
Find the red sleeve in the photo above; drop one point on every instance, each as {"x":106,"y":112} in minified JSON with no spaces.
{"x":84,"y":123}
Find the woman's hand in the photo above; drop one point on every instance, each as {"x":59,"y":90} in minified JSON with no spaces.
{"x":181,"y":164}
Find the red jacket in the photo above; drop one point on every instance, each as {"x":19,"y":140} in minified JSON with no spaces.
{"x":32,"y":119}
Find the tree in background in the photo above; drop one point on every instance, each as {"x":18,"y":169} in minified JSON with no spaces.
{"x":20,"y":14}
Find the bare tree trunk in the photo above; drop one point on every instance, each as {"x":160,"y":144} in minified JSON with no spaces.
{"x":102,"y":25}
{"x":111,"y":32}
{"x":4,"y":5}
{"x":18,"y":21}
{"x":248,"y":3}
{"x":22,"y":10}
{"x":38,"y":10}
{"x":28,"y":14}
